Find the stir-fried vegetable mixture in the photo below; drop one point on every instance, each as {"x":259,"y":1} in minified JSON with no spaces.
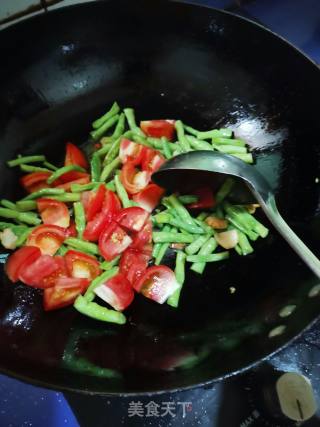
{"x":98,"y":229}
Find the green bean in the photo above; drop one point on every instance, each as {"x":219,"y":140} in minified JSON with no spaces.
{"x":169,"y":237}
{"x":197,"y":144}
{"x":98,"y":133}
{"x":202,"y":216}
{"x":67,"y":197}
{"x":187,"y":199}
{"x":25,"y":159}
{"x":7,"y":204}
{"x":110,"y":113}
{"x":180,"y":209}
{"x":205,"y":227}
{"x":195,"y":246}
{"x":4,"y":225}
{"x":119,"y":129}
{"x":244,"y":244}
{"x":61,"y":171}
{"x":20,"y":231}
{"x":104,"y":150}
{"x":130,"y":116}
{"x":247,"y":158}
{"x":166,"y":148}
{"x":27,"y":217}
{"x":111,"y":186}
{"x":81,"y":245}
{"x":62,"y":250}
{"x":121,"y":191}
{"x":166,"y":218}
{"x":183,"y":141}
{"x":163,"y":246}
{"x":215,"y":133}
{"x":156,"y":249}
{"x":191,"y":130}
{"x":142,"y":140}
{"x":109,"y":168}
{"x":208,"y":258}
{"x":79,"y":218}
{"x":30,"y":168}
{"x":248,"y":221}
{"x":128,"y":134}
{"x":224,"y":190}
{"x":50,"y":166}
{"x":102,"y":278}
{"x":230,"y":149}
{"x":228,"y":141}
{"x":179,"y":271}
{"x":78,"y":188}
{"x":208,"y":247}
{"x":106,"y":140}
{"x":243,"y":227}
{"x":108,"y":265}
{"x":98,"y":312}
{"x":27,"y":205}
{"x":113,"y":152}
{"x":95,"y":166}
{"x":238,"y":249}
{"x":22,"y":237}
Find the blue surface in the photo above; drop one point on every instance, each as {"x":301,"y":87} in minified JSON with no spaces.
{"x":298,"y":21}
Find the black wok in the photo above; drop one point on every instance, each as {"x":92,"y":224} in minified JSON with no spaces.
{"x":58,"y":72}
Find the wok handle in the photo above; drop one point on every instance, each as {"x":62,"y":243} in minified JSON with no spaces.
{"x":270,"y":208}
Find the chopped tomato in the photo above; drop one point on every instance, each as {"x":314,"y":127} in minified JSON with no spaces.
{"x":74,"y":156}
{"x":70,"y":177}
{"x":113,"y":241}
{"x":157,"y":283}
{"x":117,"y":292}
{"x":133,"y":264}
{"x":132,"y":179}
{"x":48,"y":238}
{"x":111,"y":206}
{"x":53,"y":212}
{"x":64,"y":292}
{"x":35,"y":181}
{"x":205,"y":199}
{"x":132,"y":151}
{"x":61,"y":271}
{"x":143,"y":237}
{"x":149,"y":197}
{"x":152,"y":160}
{"x":92,"y":201}
{"x":132,"y":219}
{"x":35,"y":274}
{"x":159,"y":128}
{"x":71,"y":231}
{"x":19,"y":260}
{"x":82,"y":266}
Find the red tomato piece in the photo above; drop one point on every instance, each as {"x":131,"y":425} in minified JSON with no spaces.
{"x":92,"y":201}
{"x":61,"y":271}
{"x":117,"y":292}
{"x":48,"y":238}
{"x":64,"y":292}
{"x":133,"y":264}
{"x":132,"y":219}
{"x":149,"y":197}
{"x":159,"y":128}
{"x":205,"y":199}
{"x":152,"y":160}
{"x":35,"y":274}
{"x":71,"y":231}
{"x":113,"y":241}
{"x":143,"y":238}
{"x":71,"y":176}
{"x":111,"y":206}
{"x":131,"y":151}
{"x":82,"y":266}
{"x":157,"y":283}
{"x":53,"y":212}
{"x":74,"y":156}
{"x":35,"y":181}
{"x":19,"y":260}
{"x":132,"y":179}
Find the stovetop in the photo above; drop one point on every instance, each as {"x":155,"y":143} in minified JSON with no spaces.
{"x":251,"y":399}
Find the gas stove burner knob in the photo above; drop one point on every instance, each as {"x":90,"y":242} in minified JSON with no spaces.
{"x":296,"y":397}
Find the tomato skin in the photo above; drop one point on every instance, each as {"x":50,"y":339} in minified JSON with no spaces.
{"x":61,"y":271}
{"x":133,"y":264}
{"x":74,"y":156}
{"x":81,"y":265}
{"x":35,"y":274}
{"x":117,"y":292}
{"x":152,"y":160}
{"x":132,"y":179}
{"x":48,"y":238}
{"x":113,"y":241}
{"x":35,"y":181}
{"x":132,"y":219}
{"x":71,"y":231}
{"x":157,"y":283}
{"x":19,"y":260}
{"x":92,"y":201}
{"x":64,"y":292}
{"x":53,"y":212}
{"x":149,"y":197}
{"x":158,"y":128}
{"x":131,"y":151}
{"x":143,"y":238}
{"x":206,"y":199}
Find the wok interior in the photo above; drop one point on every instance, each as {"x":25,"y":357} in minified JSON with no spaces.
{"x":167,"y":60}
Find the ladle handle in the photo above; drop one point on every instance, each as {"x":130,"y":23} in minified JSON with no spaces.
{"x":270,"y":208}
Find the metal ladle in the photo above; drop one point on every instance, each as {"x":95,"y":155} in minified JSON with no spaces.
{"x":185,"y":168}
